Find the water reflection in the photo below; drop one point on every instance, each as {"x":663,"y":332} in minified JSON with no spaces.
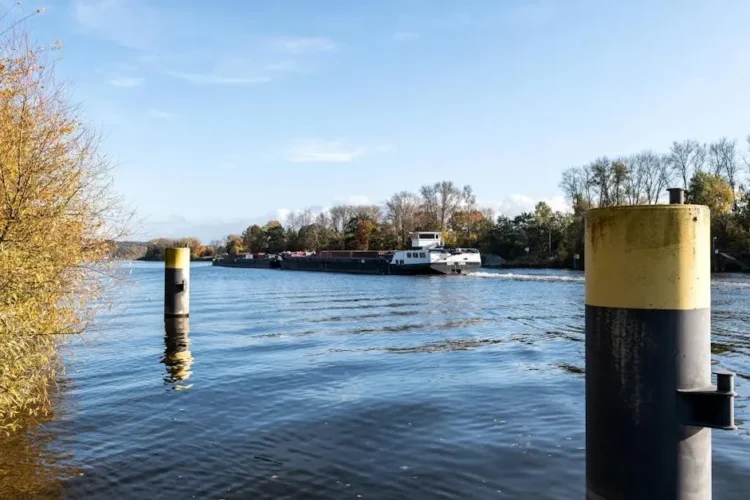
{"x":30,"y":468}
{"x":177,"y":357}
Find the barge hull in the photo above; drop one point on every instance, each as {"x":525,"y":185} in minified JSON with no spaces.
{"x":351,"y":266}
{"x":248,"y":263}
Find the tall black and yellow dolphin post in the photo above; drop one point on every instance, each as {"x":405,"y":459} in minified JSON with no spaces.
{"x":177,"y":283}
{"x":649,"y":398}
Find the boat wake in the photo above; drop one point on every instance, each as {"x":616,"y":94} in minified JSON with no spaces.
{"x":729,"y":284}
{"x":527,"y":277}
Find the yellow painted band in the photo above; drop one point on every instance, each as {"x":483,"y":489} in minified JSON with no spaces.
{"x":177,"y":258}
{"x":649,"y":257}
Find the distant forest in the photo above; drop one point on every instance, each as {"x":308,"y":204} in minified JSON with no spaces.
{"x":712,"y":174}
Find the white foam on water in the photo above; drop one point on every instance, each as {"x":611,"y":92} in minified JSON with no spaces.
{"x":730,"y":284}
{"x":580,"y":279}
{"x":527,"y":277}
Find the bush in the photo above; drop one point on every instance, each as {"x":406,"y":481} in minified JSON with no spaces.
{"x":57,"y":220}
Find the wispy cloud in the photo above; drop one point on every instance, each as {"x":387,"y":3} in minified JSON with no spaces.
{"x":160,"y":114}
{"x":127,"y":81}
{"x":404,"y":36}
{"x":322,"y":151}
{"x":231,"y":70}
{"x":218,"y":79}
{"x":318,"y":151}
{"x":303,"y":45}
{"x":129,"y":23}
{"x":353,"y":199}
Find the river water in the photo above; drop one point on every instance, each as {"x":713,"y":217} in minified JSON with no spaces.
{"x":315,"y":386}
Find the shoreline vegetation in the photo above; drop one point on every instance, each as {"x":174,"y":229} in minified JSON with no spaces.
{"x":58,"y":218}
{"x":712,"y":174}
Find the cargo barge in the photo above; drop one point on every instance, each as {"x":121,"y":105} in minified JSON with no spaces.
{"x":426,"y":256}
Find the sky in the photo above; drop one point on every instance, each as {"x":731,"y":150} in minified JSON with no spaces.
{"x":221,"y":114}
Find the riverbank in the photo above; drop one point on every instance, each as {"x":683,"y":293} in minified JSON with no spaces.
{"x":161,"y":259}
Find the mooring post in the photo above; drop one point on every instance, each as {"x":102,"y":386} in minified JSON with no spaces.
{"x":649,"y":399}
{"x":176,"y":282}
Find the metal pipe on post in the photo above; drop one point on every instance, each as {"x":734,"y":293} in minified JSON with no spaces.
{"x":649,"y":399}
{"x":177,"y":283}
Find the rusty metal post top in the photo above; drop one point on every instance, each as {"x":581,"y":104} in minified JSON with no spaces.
{"x":676,"y":196}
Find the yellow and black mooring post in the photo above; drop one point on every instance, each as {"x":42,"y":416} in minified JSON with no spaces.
{"x":177,"y":283}
{"x":649,"y":399}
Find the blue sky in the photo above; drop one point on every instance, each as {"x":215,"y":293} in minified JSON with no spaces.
{"x":225,"y":113}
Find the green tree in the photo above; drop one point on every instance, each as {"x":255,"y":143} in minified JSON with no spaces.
{"x":712,"y":190}
{"x":276,"y":237}
{"x":234,"y":244}
{"x":254,"y":239}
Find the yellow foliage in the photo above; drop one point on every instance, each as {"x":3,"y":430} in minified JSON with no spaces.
{"x":711,"y":190}
{"x":57,"y":216}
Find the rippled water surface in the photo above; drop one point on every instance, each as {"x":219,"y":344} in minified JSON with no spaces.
{"x":305,"y":385}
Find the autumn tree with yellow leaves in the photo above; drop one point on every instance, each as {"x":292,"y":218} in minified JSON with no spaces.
{"x":57,"y":215}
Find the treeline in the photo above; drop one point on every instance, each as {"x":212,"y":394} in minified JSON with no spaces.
{"x":712,"y":174}
{"x":443,"y":206}
{"x":154,"y":249}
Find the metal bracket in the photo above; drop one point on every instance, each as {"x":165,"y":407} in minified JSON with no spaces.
{"x":709,"y":407}
{"x":180,"y":286}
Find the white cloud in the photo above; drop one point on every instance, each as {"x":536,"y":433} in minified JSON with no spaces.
{"x":354,"y":199}
{"x":218,"y":79}
{"x":322,"y":151}
{"x":317,"y":151}
{"x":161,"y":114}
{"x":130,"y":23}
{"x":404,"y":36}
{"x":303,"y":45}
{"x":514,"y":204}
{"x":280,"y":214}
{"x":127,"y":81}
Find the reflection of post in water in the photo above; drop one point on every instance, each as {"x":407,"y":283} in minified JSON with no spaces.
{"x":177,"y":357}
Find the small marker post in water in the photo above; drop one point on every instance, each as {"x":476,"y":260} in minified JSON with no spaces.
{"x":649,"y":399}
{"x":177,"y":283}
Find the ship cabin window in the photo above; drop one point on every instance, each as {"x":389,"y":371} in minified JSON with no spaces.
{"x":421,"y":254}
{"x":408,"y":255}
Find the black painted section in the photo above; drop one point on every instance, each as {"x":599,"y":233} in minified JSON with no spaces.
{"x":337,"y":265}
{"x":248,"y":263}
{"x":346,"y":265}
{"x":636,"y":360}
{"x":174,"y":291}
